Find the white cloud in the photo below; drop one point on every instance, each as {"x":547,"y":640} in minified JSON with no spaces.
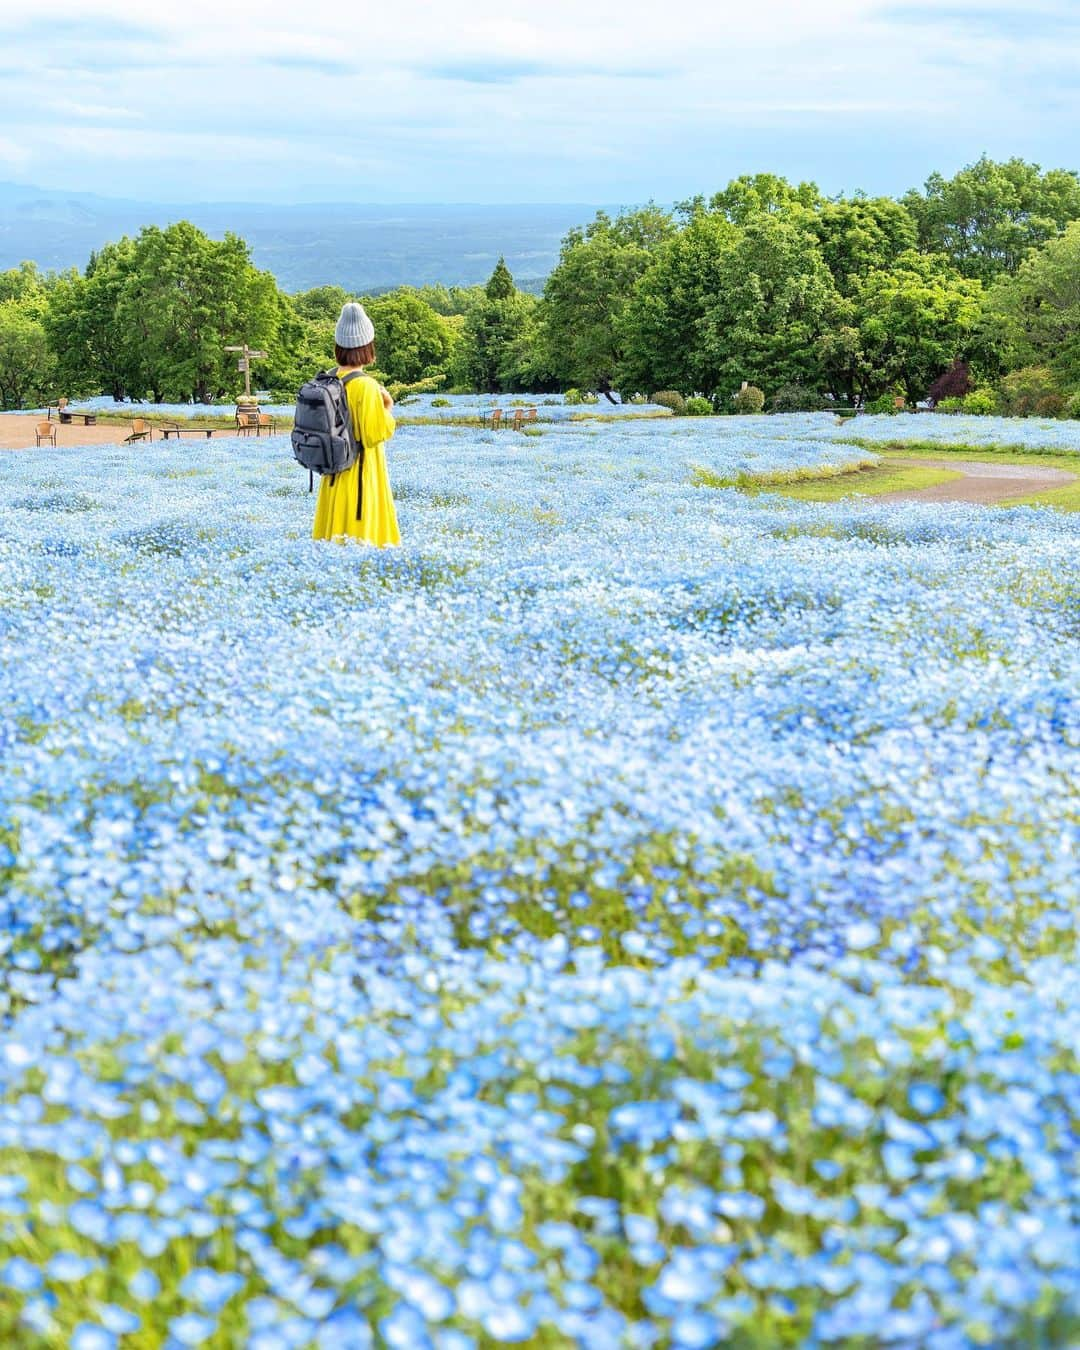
{"x":479,"y":99}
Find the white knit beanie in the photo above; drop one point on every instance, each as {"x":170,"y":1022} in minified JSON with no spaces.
{"x":354,"y":328}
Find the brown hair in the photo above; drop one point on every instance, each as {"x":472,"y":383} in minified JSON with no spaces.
{"x":354,"y":356}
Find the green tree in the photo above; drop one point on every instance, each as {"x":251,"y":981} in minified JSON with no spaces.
{"x":661,"y":326}
{"x":721,"y":304}
{"x":27,"y":366}
{"x":321,"y":303}
{"x":858,"y":235}
{"x":1037,"y":311}
{"x":496,"y":351}
{"x":413,"y":342}
{"x":587,"y":293}
{"x":187,"y":298}
{"x":92,"y":350}
{"x":760,"y":194}
{"x":23,"y":282}
{"x":912,"y":320}
{"x":988,"y":217}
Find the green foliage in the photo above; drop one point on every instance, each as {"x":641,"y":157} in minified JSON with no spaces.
{"x":27,"y":366}
{"x":980,"y":403}
{"x":413,"y":342}
{"x":1072,"y":406}
{"x":1032,"y":391}
{"x":990,"y":216}
{"x":669,"y":398}
{"x":500,"y":284}
{"x":862,"y":235}
{"x":792,"y":398}
{"x":753,"y":195}
{"x":499,"y":350}
{"x":573,"y":397}
{"x":586,"y":295}
{"x":908,"y":323}
{"x":698,"y":407}
{"x":441,"y":403}
{"x":24,"y":283}
{"x":1038,"y":310}
{"x":321,"y":304}
{"x":748,"y":399}
{"x":884,"y":404}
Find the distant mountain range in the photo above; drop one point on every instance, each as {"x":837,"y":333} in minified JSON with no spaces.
{"x":363,"y":248}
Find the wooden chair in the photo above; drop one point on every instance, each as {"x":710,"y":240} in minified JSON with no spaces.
{"x":530,"y":415}
{"x":519,"y":419}
{"x":267,"y":424}
{"x":141,"y":430}
{"x":44,"y":431}
{"x":59,"y":405}
{"x":247,"y":421}
{"x":493,"y":419}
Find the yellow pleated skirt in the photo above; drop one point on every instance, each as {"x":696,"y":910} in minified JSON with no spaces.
{"x":335,"y":509}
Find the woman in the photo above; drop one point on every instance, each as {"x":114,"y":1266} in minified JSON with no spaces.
{"x":373,"y":424}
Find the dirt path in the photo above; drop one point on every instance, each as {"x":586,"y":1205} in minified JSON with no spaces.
{"x":17,"y":432}
{"x":982,"y":483}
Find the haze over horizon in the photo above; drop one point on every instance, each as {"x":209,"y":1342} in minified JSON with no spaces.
{"x":246,"y":102}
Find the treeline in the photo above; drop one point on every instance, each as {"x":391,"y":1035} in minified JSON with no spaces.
{"x":972,"y":282}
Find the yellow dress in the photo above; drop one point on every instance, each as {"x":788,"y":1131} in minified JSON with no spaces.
{"x":335,"y":508}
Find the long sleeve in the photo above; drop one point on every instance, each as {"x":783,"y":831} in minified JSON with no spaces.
{"x":365,"y":402}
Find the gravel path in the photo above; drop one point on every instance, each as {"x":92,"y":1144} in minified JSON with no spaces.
{"x":982,"y":483}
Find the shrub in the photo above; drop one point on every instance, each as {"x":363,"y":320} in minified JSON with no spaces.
{"x":1050,"y":405}
{"x":955,"y":383}
{"x":1072,"y":407}
{"x":981,"y":403}
{"x":590,"y":398}
{"x":1021,"y":391}
{"x":950,"y":405}
{"x":885,"y":404}
{"x":749,"y":399}
{"x":791,"y":398}
{"x":638,"y":398}
{"x":549,"y":402}
{"x":668,"y":398}
{"x":698,"y":407}
{"x":440,"y":403}
{"x":573,"y":397}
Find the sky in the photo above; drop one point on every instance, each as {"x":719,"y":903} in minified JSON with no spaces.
{"x":499,"y":101}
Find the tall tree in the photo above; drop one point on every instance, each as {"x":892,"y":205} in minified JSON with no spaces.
{"x":862,"y":234}
{"x":413,"y":342}
{"x":27,"y":367}
{"x":912,"y":321}
{"x":1037,"y":312}
{"x":187,"y":298}
{"x":590,"y":288}
{"x":988,"y":217}
{"x":92,"y":348}
{"x":494,"y":342}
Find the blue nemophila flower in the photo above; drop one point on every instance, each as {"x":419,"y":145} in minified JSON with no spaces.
{"x":653,"y":874}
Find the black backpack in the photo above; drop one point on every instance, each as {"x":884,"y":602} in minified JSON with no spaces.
{"x":323,"y":438}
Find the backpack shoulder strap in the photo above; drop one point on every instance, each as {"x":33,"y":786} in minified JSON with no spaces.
{"x":353,"y":375}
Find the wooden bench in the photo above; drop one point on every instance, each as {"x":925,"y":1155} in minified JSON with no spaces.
{"x":88,"y":419}
{"x":175,"y":429}
{"x":493,"y":418}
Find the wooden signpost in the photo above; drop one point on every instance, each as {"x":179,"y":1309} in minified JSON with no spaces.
{"x":244,"y":364}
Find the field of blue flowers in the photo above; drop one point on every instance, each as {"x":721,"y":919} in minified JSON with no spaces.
{"x":630,"y":914}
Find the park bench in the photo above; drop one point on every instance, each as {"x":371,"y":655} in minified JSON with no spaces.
{"x":141,"y":430}
{"x":493,"y":418}
{"x":88,"y":419}
{"x":45,"y":431}
{"x":175,"y":429}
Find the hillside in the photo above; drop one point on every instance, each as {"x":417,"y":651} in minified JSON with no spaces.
{"x":364,"y":248}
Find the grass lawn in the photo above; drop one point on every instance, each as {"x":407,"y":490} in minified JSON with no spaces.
{"x":895,"y":471}
{"x":832,"y":483}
